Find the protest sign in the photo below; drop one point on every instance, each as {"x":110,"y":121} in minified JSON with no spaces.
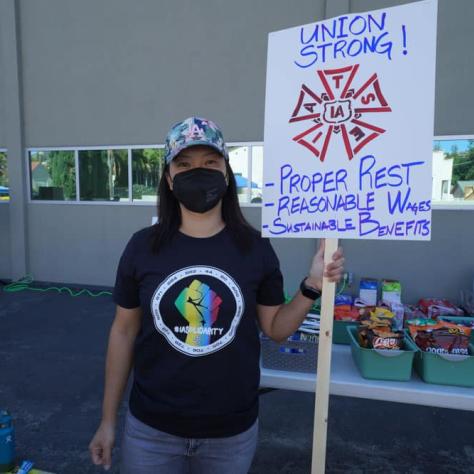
{"x":349,"y":126}
{"x":349,"y":114}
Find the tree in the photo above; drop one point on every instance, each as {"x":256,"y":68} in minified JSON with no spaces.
{"x":3,"y":169}
{"x":463,"y":164}
{"x":147,"y":166}
{"x":61,"y":165}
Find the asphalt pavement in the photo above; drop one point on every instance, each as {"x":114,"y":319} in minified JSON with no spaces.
{"x":52,"y":349}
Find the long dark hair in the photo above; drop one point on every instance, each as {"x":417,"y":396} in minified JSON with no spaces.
{"x":169,"y":215}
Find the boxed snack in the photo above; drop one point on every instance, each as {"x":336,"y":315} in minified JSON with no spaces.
{"x":368,"y":291}
{"x":391,"y":291}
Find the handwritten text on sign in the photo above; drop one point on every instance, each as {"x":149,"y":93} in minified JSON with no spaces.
{"x":349,"y":126}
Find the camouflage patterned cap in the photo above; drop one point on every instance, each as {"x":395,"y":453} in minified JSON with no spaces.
{"x":193,"y":131}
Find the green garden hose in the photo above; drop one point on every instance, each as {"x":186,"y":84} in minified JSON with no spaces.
{"x":23,"y":284}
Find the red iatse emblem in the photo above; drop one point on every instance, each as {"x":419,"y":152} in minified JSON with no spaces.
{"x":339,"y":110}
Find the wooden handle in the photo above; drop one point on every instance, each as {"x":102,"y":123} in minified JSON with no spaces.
{"x":323,"y":374}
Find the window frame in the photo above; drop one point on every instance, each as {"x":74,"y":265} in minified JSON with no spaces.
{"x":436,"y":205}
{"x":129,"y":148}
{"x":447,"y":206}
{"x":5,"y":150}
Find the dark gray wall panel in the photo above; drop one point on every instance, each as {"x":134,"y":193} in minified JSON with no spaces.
{"x":2,"y":85}
{"x":5,"y":268}
{"x":454,"y":63}
{"x":81,"y":243}
{"x":120,"y":72}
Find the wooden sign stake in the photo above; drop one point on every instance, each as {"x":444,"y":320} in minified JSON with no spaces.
{"x":323,"y":374}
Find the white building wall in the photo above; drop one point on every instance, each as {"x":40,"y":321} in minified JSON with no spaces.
{"x":442,"y":171}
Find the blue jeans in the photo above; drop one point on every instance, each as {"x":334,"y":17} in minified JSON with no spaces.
{"x":146,"y":450}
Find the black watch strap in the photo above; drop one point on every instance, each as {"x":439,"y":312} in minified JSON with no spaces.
{"x":308,"y":291}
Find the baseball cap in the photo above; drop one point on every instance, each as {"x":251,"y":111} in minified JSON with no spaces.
{"x":194,"y":131}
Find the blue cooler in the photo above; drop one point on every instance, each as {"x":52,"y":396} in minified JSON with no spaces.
{"x":7,"y":442}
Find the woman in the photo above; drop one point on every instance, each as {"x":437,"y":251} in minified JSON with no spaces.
{"x":189,"y":292}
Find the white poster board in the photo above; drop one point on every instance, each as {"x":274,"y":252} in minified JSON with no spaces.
{"x":349,"y":114}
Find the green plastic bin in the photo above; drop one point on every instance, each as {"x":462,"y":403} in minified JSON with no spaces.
{"x":460,"y":320}
{"x":446,"y":369}
{"x":382,"y":364}
{"x":339,"y":332}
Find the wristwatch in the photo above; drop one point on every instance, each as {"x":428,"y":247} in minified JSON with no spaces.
{"x":308,"y":291}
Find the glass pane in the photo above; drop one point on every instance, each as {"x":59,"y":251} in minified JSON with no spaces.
{"x":238,"y":157}
{"x":147,"y":165}
{"x":4,"y":189}
{"x":453,"y":171}
{"x":257,"y":174}
{"x":103,"y":175}
{"x":53,"y":175}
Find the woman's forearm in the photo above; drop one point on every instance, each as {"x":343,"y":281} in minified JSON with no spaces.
{"x":290,"y":316}
{"x":117,"y":370}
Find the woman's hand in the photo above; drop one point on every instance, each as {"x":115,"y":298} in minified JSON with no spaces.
{"x":101,"y":445}
{"x":333,"y":272}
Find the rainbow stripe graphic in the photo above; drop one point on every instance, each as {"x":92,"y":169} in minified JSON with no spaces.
{"x":199,"y":305}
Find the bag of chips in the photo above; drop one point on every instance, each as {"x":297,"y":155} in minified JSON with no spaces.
{"x":441,"y":338}
{"x":346,"y":312}
{"x":384,"y":338}
{"x":434,"y":307}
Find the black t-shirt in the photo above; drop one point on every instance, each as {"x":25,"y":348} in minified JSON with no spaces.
{"x":196,"y":357}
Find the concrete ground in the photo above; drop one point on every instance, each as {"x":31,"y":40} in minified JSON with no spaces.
{"x":52,"y":350}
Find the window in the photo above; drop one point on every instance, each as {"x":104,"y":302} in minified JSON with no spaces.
{"x":103,"y":175}
{"x":453,"y":171}
{"x":4,"y":189}
{"x":247,"y":164}
{"x":239,"y":161}
{"x":123,"y":174}
{"x":444,"y":187}
{"x":257,"y":174}
{"x":147,"y":164}
{"x":52,"y":175}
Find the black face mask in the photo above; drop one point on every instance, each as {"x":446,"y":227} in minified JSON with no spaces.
{"x":199,"y":189}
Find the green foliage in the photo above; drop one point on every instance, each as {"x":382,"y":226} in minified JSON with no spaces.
{"x":463,"y":164}
{"x":3,"y":169}
{"x":147,"y":165}
{"x":103,"y":174}
{"x":61,"y":168}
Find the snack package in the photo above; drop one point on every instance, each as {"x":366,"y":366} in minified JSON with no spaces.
{"x":434,"y":307}
{"x":343,"y":299}
{"x":384,"y":338}
{"x":368,"y":291}
{"x":382,"y":314}
{"x":398,"y":310}
{"x":422,"y":322}
{"x":412,"y":312}
{"x":441,"y":338}
{"x":391,"y":291}
{"x":376,"y":336}
{"x":379,"y":319}
{"x":346,"y":313}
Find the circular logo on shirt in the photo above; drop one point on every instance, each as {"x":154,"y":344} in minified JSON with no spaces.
{"x":198,"y":309}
